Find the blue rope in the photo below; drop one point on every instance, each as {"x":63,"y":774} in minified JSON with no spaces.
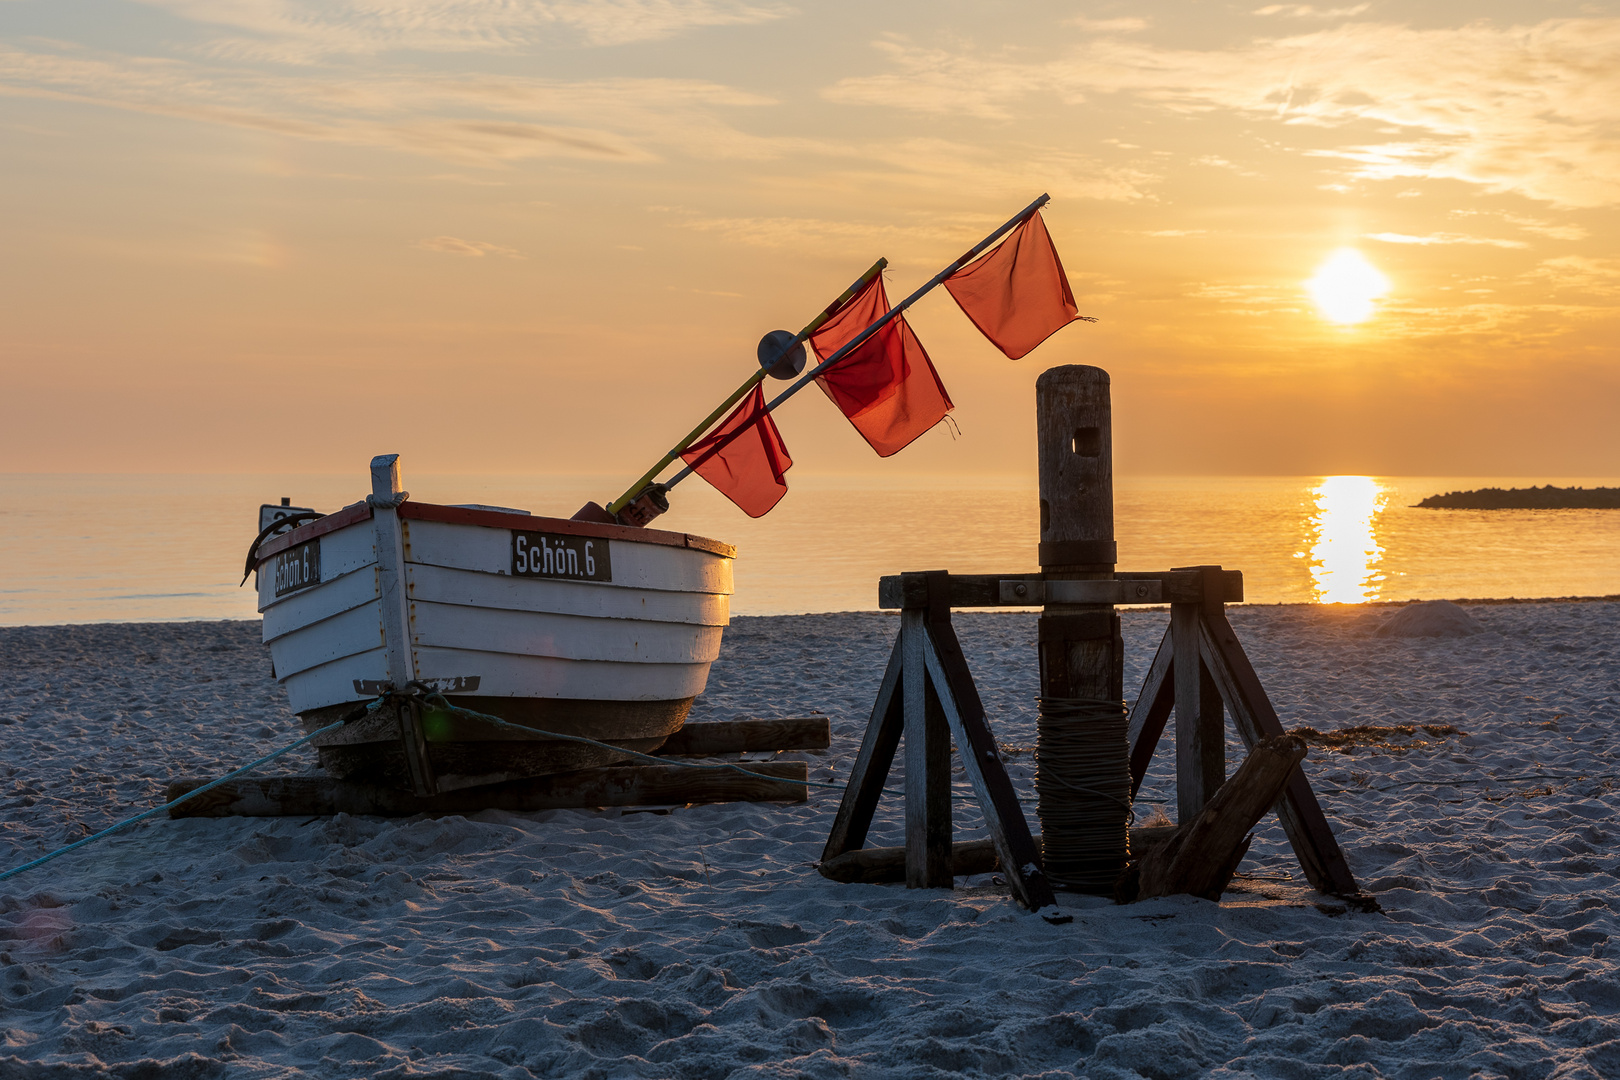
{"x":439,"y":701}
{"x":43,"y":859}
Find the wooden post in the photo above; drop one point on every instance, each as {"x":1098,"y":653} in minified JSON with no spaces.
{"x":1081,"y":654}
{"x":394,"y":601}
{"x":1080,"y":648}
{"x":1200,"y":719}
{"x":928,"y":757}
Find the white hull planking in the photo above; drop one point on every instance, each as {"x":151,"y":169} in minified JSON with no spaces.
{"x":648,"y":635}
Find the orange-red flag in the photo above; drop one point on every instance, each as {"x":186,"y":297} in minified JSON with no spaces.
{"x":887,"y":386}
{"x":1016,"y":293}
{"x":749,"y":469}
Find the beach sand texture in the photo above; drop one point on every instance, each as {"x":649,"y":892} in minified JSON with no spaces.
{"x":701,"y":943}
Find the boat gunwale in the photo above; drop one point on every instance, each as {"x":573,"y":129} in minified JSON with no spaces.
{"x":495,"y":519}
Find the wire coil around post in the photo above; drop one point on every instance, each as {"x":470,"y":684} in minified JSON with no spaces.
{"x":1083,"y":779}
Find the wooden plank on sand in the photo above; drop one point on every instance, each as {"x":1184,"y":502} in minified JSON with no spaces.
{"x":749,"y":736}
{"x":626,"y":785}
{"x":883,"y":865}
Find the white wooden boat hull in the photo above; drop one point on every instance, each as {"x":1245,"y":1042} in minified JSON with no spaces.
{"x":618,"y":656}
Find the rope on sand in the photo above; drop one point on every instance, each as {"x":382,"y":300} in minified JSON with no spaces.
{"x":126,"y":823}
{"x":426,"y":695}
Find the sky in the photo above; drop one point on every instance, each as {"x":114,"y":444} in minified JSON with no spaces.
{"x":544,"y":236}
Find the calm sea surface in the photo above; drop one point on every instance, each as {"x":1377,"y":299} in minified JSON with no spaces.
{"x":76,"y":548}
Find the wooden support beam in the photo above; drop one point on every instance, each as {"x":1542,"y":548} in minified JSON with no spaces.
{"x":1256,"y":720}
{"x":626,"y":785}
{"x":1000,"y":590}
{"x":748,"y":736}
{"x":1203,"y":852}
{"x":928,"y":760}
{"x":1152,"y":710}
{"x":1200,"y":724}
{"x":872,"y":763}
{"x":981,"y":761}
{"x":879,"y":866}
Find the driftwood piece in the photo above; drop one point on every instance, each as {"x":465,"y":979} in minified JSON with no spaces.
{"x":632,"y":785}
{"x":1200,"y":856}
{"x":749,"y":736}
{"x":879,"y":866}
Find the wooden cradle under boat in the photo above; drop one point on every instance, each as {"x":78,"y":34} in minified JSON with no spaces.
{"x":567,"y":626}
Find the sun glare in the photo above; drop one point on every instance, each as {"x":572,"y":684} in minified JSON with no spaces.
{"x":1347,"y":286}
{"x":1345,"y":551}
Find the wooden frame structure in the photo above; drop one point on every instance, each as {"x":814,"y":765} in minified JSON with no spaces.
{"x":928,"y":695}
{"x":1199,"y":673}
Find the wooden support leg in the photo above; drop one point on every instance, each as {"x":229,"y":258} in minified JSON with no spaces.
{"x":928,"y":764}
{"x":1200,"y":726}
{"x":1152,"y":710}
{"x":1009,"y":830}
{"x":1256,"y":720}
{"x":872,"y":764}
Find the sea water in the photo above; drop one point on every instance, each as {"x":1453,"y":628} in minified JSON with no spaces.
{"x":81,"y":548}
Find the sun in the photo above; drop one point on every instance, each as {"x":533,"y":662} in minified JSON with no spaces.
{"x":1347,"y":286}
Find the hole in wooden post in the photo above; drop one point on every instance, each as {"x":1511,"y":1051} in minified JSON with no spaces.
{"x":1046,"y":516}
{"x":1087,"y":442}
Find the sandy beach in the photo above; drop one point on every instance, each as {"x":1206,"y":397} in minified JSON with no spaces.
{"x":701,"y":943}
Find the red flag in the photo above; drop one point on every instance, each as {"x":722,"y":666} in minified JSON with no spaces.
{"x":887,"y":386}
{"x":749,"y":469}
{"x":1016,"y":294}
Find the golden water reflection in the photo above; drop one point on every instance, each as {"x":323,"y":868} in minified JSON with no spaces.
{"x":1345,"y":552}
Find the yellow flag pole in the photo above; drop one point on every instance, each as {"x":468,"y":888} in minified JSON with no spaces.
{"x":635,"y":489}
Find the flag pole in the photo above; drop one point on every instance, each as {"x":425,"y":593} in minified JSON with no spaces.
{"x":810,"y":376}
{"x":749,"y":383}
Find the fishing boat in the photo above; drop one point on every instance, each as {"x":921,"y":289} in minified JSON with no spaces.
{"x":575,"y":627}
{"x":595,"y":626}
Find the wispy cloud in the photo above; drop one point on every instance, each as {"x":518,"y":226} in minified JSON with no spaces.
{"x":304,"y":30}
{"x":1307,"y":11}
{"x":475,"y":249}
{"x":1444,"y":238}
{"x":1523,"y":109}
{"x":478,"y":119}
{"x":1579,"y":273}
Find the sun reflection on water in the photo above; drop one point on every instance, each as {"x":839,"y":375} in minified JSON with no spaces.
{"x":1345,"y":553}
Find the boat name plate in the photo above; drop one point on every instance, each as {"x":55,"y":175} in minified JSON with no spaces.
{"x":551,"y":555}
{"x":299,"y":567}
